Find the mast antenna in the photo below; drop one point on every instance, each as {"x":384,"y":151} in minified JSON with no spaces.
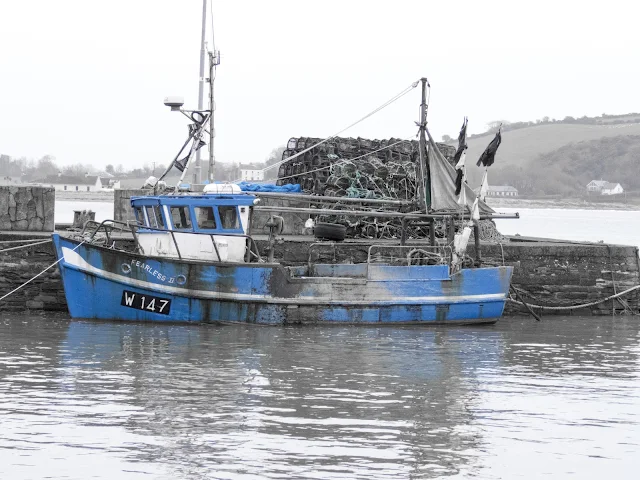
{"x":197,"y":172}
{"x":214,"y":61}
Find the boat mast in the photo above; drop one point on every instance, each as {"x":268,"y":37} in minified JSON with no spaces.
{"x":197,"y":171}
{"x":424,"y":192}
{"x":214,"y":61}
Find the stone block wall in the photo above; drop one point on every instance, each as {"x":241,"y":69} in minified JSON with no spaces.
{"x":45,"y":293}
{"x":27,"y":208}
{"x":569,"y":274}
{"x":122,"y":211}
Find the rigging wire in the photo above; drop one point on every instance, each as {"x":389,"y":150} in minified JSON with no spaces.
{"x":386,"y":104}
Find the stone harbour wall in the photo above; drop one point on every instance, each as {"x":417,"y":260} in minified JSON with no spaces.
{"x":122,"y":211}
{"x":45,"y":293}
{"x":570,"y":274}
{"x":546,"y":273}
{"x":27,"y":208}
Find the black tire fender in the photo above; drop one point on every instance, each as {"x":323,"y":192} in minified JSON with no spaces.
{"x":330,"y":231}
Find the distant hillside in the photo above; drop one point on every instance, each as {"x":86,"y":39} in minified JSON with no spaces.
{"x":567,"y":170}
{"x":522,"y":149}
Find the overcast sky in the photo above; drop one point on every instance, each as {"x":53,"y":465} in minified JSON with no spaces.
{"x":84,"y":80}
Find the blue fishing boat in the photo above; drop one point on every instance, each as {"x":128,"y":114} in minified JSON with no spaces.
{"x":194,"y":261}
{"x":190,"y":256}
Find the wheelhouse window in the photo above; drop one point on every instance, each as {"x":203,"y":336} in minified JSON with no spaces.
{"x":139,"y":216}
{"x":154,"y":215}
{"x":181,"y":218}
{"x":229,"y":217}
{"x":205,"y":218}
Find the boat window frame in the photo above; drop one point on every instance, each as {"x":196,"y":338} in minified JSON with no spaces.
{"x":187,"y":208}
{"x":166,"y":203}
{"x":238,"y":227}
{"x":139,"y":211}
{"x":216,"y":219}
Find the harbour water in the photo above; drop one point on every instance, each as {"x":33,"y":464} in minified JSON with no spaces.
{"x":519,"y":399}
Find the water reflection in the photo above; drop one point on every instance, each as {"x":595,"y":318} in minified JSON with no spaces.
{"x":256,"y":402}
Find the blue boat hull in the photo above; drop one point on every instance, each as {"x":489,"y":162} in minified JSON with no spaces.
{"x":102,"y":283}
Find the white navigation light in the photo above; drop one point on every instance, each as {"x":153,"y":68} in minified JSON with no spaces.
{"x":174,"y":102}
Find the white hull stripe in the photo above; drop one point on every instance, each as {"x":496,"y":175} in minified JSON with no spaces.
{"x":74,"y":260}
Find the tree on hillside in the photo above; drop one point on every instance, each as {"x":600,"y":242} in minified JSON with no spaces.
{"x":46,"y":166}
{"x":274,"y":157}
{"x":109,"y":169}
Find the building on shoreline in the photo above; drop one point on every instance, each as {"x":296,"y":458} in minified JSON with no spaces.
{"x":499,"y":191}
{"x":88,"y":183}
{"x":603,"y":187}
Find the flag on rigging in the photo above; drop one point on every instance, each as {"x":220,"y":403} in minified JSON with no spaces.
{"x":461,"y":179}
{"x":488,"y":156}
{"x":459,"y":159}
{"x":475,"y":211}
{"x":181,"y":164}
{"x":484,"y":186}
{"x":462,"y":141}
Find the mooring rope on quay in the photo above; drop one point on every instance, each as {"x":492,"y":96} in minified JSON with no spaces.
{"x":576,"y":307}
{"x":37,"y":275}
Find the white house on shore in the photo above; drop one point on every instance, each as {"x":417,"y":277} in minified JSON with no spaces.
{"x":501,"y":191}
{"x":251,"y":174}
{"x":603,"y":187}
{"x":87,"y":183}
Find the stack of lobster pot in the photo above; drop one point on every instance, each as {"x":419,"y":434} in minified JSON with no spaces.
{"x":357,"y":168}
{"x":354,"y":167}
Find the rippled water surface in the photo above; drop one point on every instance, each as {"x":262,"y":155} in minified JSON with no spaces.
{"x":520,"y":399}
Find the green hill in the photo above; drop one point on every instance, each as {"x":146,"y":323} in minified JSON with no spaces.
{"x":573,"y":150}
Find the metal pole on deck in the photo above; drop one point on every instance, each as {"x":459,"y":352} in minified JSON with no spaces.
{"x":423,"y":195}
{"x":432,"y":232}
{"x":213,"y":61}
{"x":196,"y":173}
{"x":476,"y":236}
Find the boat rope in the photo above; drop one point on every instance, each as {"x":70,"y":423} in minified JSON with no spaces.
{"x":36,"y":276}
{"x":582,"y":305}
{"x":373,"y":112}
{"x":346,"y":160}
{"x":25,"y":246}
{"x":19,"y":241}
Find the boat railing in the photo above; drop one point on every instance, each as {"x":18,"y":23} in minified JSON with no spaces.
{"x":109,"y":226}
{"x":410,"y":255}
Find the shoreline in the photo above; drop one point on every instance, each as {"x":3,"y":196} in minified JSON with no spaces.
{"x":494,"y":202}
{"x":569,"y":203}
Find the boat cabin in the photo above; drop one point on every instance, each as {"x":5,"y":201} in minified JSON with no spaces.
{"x":211,"y":226}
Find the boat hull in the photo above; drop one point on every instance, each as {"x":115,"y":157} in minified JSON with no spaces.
{"x":102,"y":283}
